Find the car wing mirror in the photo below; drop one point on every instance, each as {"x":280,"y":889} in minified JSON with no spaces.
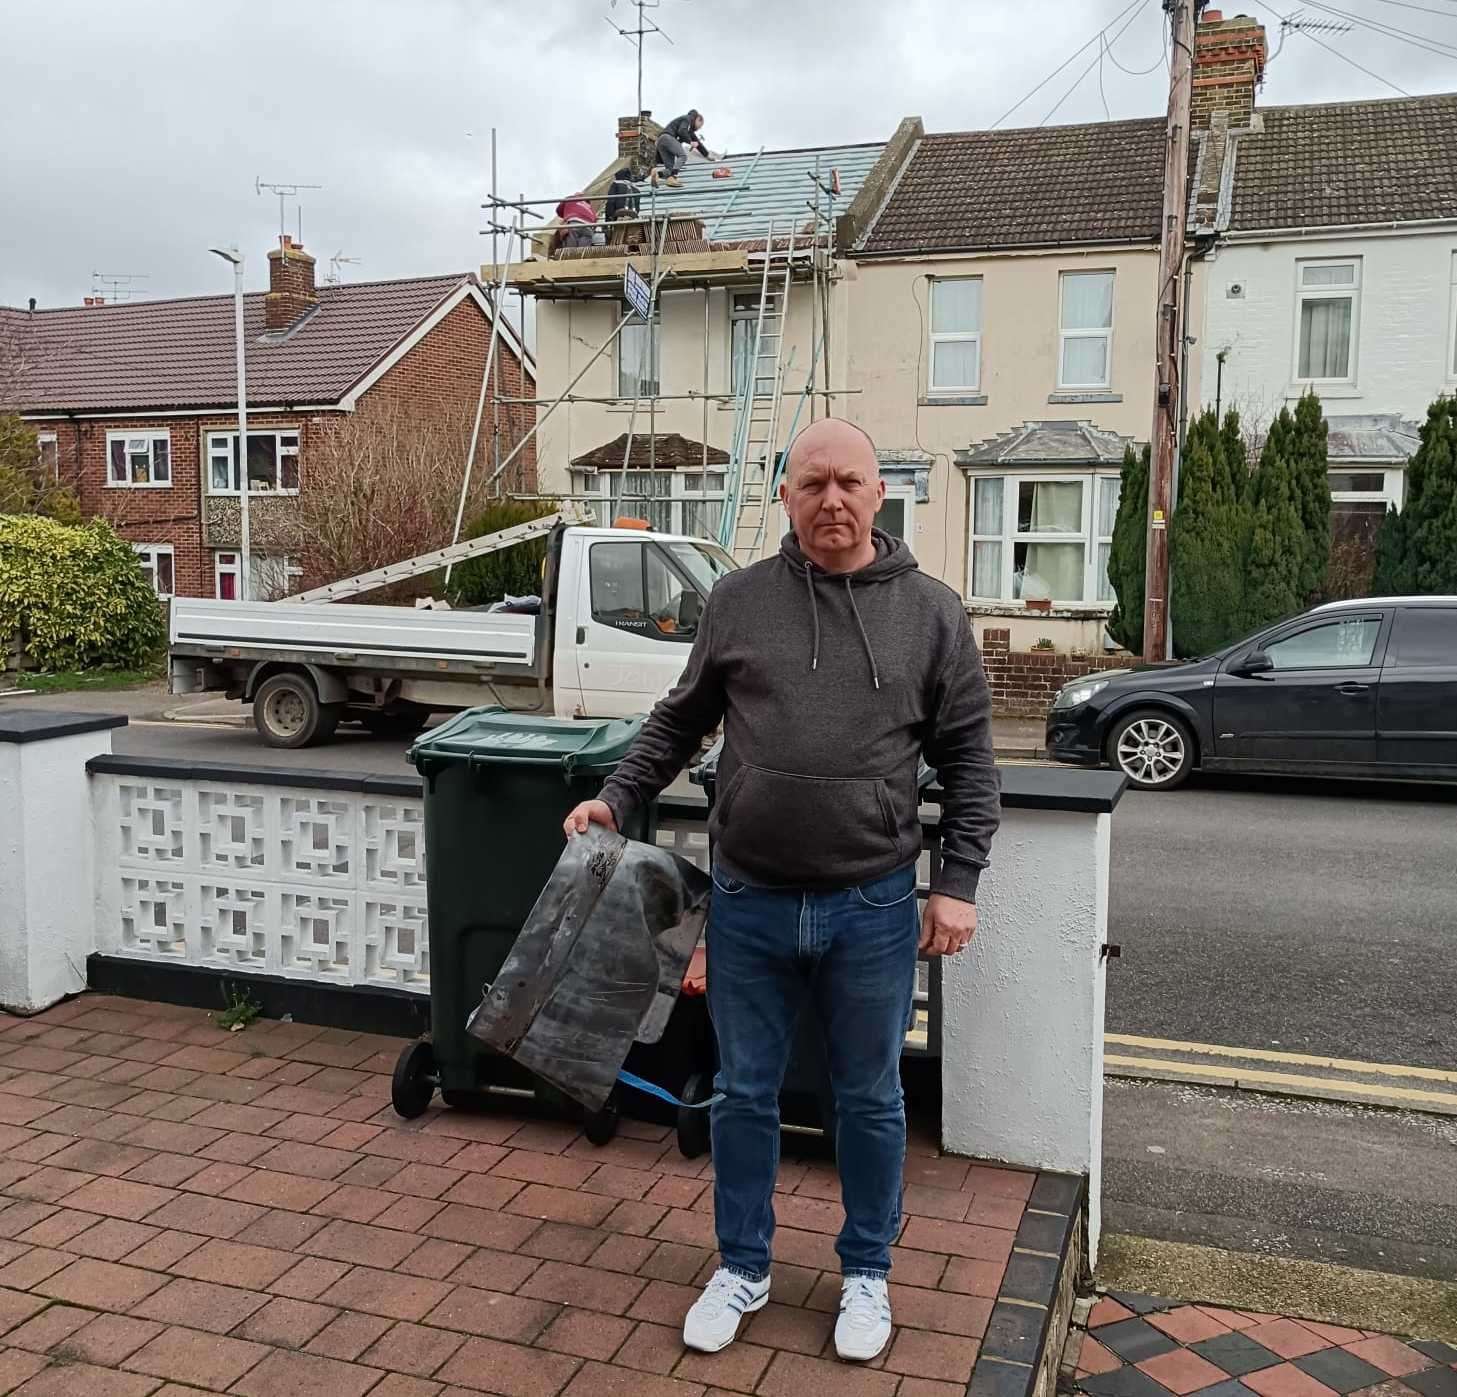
{"x":1257,"y":662}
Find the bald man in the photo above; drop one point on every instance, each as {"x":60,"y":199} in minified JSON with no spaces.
{"x":833,"y":667}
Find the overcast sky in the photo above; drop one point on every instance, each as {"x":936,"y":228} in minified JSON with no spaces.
{"x":131,"y":131}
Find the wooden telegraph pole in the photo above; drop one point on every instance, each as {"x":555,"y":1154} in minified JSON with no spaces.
{"x":1168,"y":328}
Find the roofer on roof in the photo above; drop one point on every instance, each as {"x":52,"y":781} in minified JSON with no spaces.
{"x":673,"y":143}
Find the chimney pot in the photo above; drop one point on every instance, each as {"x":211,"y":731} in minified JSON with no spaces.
{"x":1211,"y":16}
{"x":32,"y":305}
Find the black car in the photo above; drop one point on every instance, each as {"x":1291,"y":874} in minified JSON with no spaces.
{"x":1364,"y":688}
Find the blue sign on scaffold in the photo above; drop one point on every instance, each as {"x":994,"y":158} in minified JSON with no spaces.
{"x":637,"y":293}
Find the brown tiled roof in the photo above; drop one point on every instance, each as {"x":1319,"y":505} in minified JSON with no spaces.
{"x":669,"y":451}
{"x":967,"y":190}
{"x":1390,"y":160}
{"x":179,"y":353}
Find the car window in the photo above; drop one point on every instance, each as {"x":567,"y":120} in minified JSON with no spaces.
{"x":1330,"y":645}
{"x":1425,"y":636}
{"x":617,"y":586}
{"x":634,"y":589}
{"x":673,"y":606}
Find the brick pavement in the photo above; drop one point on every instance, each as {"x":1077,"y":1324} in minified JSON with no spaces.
{"x":189,"y":1211}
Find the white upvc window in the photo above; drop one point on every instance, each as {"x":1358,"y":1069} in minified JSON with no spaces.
{"x":138,"y":460}
{"x":1353,"y":483}
{"x":48,"y":454}
{"x":1042,"y":537}
{"x":638,"y":346}
{"x":273,"y":576}
{"x":158,"y":563}
{"x":272,"y":463}
{"x":1327,"y":320}
{"x":897,"y":513}
{"x":672,"y":501}
{"x":955,"y":335}
{"x":1085,"y":330}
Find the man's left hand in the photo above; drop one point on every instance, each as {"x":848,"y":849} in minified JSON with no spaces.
{"x":947,"y":925}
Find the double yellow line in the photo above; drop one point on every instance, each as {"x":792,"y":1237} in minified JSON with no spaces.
{"x":1326,"y":1078}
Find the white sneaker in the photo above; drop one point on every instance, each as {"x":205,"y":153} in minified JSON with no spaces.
{"x":713,"y":1322}
{"x":863,"y":1328}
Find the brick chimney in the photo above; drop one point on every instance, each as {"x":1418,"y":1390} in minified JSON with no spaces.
{"x":636,"y":138}
{"x":290,"y":285}
{"x":1229,"y":63}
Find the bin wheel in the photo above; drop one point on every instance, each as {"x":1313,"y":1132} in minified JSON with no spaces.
{"x":693,"y":1132}
{"x":414,"y":1081}
{"x":600,"y":1127}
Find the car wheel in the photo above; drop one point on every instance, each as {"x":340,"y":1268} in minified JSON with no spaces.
{"x":1154,"y":750}
{"x":287,"y":712}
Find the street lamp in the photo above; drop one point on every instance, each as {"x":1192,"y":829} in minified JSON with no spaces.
{"x":231,"y":254}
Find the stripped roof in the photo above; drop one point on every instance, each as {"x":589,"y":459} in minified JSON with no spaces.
{"x":1371,"y":437}
{"x":666,"y":451}
{"x":1048,"y":444}
{"x":768,"y":185}
{"x":1383,"y":161}
{"x":964,"y":191}
{"x":147,"y":355}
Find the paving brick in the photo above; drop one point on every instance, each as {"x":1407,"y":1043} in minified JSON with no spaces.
{"x":483,"y":1190}
{"x":176,"y":1136}
{"x":928,"y":1387}
{"x":1390,"y":1355}
{"x":110,"y":1339}
{"x":604,"y":1380}
{"x":284,"y":1230}
{"x":20,"y":1217}
{"x":285,"y":1323}
{"x":480,"y":1227}
{"x":84,"y":1380}
{"x":384,"y":1293}
{"x":412,"y":1348}
{"x":494,"y":1270}
{"x":563,"y":1241}
{"x":1106,"y":1311}
{"x":919,"y":1308}
{"x":283,"y":1374}
{"x":202,"y":1360}
{"x":923,"y":1200}
{"x":309,"y":1279}
{"x":787,"y":1327}
{"x":478,"y":1157}
{"x":167,"y":1170}
{"x":217,"y":1178}
{"x":738,"y":1367}
{"x":99,"y":1157}
{"x":634,"y":1219}
{"x":372,"y":1171}
{"x":1181,"y":1371}
{"x":48,"y":1184}
{"x":312,"y":1161}
{"x":492,"y":1315}
{"x":17,"y":1307}
{"x":28,"y":1270}
{"x":120,"y":1198}
{"x":353,"y":1204}
{"x":437,"y":1259}
{"x":531,"y":1167}
{"x":616,"y":1182}
{"x":164,"y":1250}
{"x":586,"y":1334}
{"x":399,"y":1385}
{"x":543,"y":1137}
{"x":654,"y":1348}
{"x":50,"y":1327}
{"x":424,"y":1180}
{"x":623,"y":1151}
{"x":508,"y":1369}
{"x":413,"y":1147}
{"x":1009,"y":1183}
{"x":794,"y":1375}
{"x":209,"y":1217}
{"x":103,"y":1285}
{"x":1094,"y":1359}
{"x":1286,"y":1380}
{"x":993,"y":1210}
{"x":299,"y":1100}
{"x":696,"y":1230}
{"x":360,"y":1245}
{"x":234,"y":1263}
{"x":663,"y":1303}
{"x":813,"y":1249}
{"x":16,"y":1366}
{"x":238,"y":1148}
{"x":923,"y":1354}
{"x":1334,"y":1332}
{"x":582,"y":1286}
{"x":251,"y":1120}
{"x":1190,"y":1325}
{"x":201,"y":1305}
{"x":958,"y":1239}
{"x":348,"y":1336}
{"x":1287,"y":1338}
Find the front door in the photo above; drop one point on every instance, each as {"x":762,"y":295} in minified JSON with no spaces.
{"x":1316,"y":708}
{"x":1416,"y":713}
{"x":640,"y":616}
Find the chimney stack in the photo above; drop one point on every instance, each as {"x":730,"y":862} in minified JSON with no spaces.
{"x":291,"y":290}
{"x":1229,"y":63}
{"x":636,"y":138}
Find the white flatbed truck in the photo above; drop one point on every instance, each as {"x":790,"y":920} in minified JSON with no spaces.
{"x":619,"y":610}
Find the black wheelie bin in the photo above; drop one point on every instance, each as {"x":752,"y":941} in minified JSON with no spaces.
{"x":498,"y":787}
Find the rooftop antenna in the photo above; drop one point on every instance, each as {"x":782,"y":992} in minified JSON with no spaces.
{"x":336,"y":265}
{"x":112,"y":287}
{"x":284,"y":192}
{"x":1301,"y":23}
{"x":635,"y":37}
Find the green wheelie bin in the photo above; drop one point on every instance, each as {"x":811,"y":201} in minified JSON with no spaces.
{"x":498,"y":787}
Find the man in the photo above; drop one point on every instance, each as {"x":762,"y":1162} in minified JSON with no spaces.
{"x":832,"y":667}
{"x":676,"y":137}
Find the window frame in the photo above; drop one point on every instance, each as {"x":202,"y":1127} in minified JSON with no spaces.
{"x":1351,"y":292}
{"x":53,"y":440}
{"x":602,"y":485}
{"x":1008,"y":537}
{"x":905,"y":492}
{"x":234,"y":568}
{"x":935,"y":338}
{"x":212,"y":441}
{"x":1064,"y":333}
{"x":1372,"y":661}
{"x":646,"y":387}
{"x":1392,"y":659}
{"x":646,"y":627}
{"x":151,"y":436}
{"x":1452,"y":327}
{"x":149,"y":566}
{"x":749,"y":317}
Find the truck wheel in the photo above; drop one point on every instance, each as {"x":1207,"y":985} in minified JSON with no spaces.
{"x":405,"y":723}
{"x":414,"y":1081}
{"x":287,"y":712}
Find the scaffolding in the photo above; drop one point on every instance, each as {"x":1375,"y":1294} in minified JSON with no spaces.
{"x":794,"y":258}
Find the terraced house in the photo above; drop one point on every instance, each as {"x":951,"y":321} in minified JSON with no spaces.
{"x":135,"y":405}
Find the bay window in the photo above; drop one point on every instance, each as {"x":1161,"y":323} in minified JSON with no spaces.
{"x":1085,"y":330}
{"x":955,"y":335}
{"x":1327,"y":294}
{"x":672,"y":501}
{"x":138,"y":460}
{"x":272,"y":463}
{"x":1042,"y":537}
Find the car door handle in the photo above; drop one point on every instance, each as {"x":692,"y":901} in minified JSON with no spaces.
{"x":1352,"y":689}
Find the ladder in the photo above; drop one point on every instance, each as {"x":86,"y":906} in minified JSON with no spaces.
{"x":756,"y":419}
{"x":432,"y":562}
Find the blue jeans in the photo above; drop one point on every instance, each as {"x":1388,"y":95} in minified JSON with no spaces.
{"x":854,"y":952}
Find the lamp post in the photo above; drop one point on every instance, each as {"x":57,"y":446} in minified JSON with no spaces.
{"x":245,"y":568}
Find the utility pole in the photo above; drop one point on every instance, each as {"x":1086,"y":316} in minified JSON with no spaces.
{"x":1168,"y":328}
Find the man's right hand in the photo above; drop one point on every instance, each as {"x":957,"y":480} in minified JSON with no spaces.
{"x":590,"y":812}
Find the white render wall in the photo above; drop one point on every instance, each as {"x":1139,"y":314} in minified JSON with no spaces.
{"x":1022,"y":1010}
{"x":1404,"y":335}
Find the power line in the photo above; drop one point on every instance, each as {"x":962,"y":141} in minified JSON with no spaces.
{"x":1424,"y":9}
{"x":1077,"y":82}
{"x":1420,"y":41}
{"x":1285,"y":19}
{"x":1102,"y":54}
{"x":1067,"y":62}
{"x":1159,"y":62}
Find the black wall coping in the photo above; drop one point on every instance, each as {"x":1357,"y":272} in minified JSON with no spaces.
{"x":40,"y":724}
{"x":1023,"y":787}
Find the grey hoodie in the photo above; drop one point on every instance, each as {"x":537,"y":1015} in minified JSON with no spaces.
{"x":830,"y":687}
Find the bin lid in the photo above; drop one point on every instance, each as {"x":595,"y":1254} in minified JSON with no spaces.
{"x":496,"y":735}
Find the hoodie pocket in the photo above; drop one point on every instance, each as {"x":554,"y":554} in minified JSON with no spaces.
{"x":815,"y":830}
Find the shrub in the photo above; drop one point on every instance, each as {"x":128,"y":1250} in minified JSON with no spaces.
{"x":1417,"y":549}
{"x":76,"y":595}
{"x":1127,"y":553}
{"x":513,"y":572}
{"x":1205,"y":554}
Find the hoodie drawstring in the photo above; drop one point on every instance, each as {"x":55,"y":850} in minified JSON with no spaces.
{"x":869,"y":653}
{"x":814,"y":611}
